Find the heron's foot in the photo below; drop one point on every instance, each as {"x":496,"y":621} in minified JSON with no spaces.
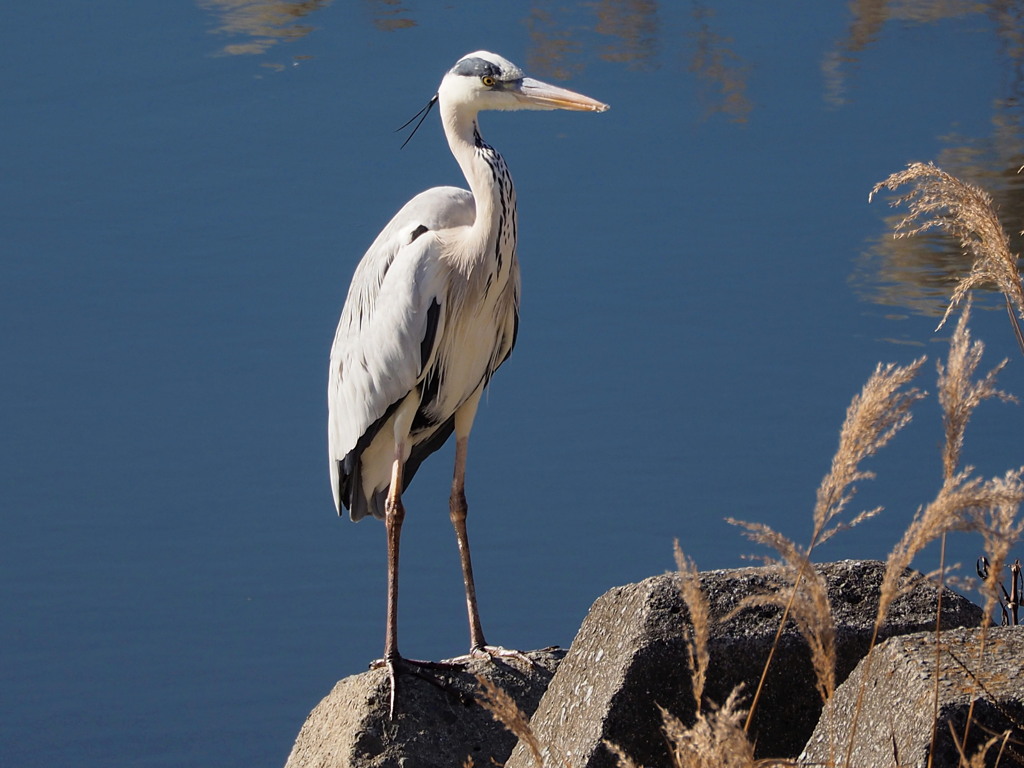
{"x":495,"y":652}
{"x":396,"y":665}
{"x":412,"y":666}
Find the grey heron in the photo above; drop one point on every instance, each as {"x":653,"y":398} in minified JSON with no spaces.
{"x":431,"y":314}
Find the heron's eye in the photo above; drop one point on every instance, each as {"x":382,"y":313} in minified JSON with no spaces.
{"x":488,"y":81}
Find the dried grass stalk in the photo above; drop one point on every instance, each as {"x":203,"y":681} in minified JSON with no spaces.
{"x":980,"y":758}
{"x":700,"y":623}
{"x":504,"y":709}
{"x":957,"y":506}
{"x":940,"y":200}
{"x":963,"y":502}
{"x":874,"y":416}
{"x":716,"y":740}
{"x":805,"y":601}
{"x":960,"y":393}
{"x":624,"y":760}
{"x":960,"y":500}
{"x":1000,"y":529}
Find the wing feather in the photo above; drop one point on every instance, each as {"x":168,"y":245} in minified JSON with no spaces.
{"x":392,"y":318}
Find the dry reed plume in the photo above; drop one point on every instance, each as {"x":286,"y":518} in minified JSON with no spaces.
{"x":960,"y":393}
{"x":955,"y":508}
{"x":719,"y":735}
{"x":804,"y":602}
{"x":504,"y":709}
{"x":964,"y":502}
{"x":961,"y":497}
{"x":874,"y":416}
{"x":700,"y":623}
{"x":980,"y":758}
{"x":940,"y":200}
{"x":717,"y":738}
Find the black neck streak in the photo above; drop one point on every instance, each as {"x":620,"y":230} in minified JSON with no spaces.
{"x":504,"y":203}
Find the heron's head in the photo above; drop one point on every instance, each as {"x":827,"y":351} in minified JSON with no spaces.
{"x":484,"y":80}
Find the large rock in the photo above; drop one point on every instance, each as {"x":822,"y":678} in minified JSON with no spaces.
{"x":438,"y":721}
{"x":896,"y":710}
{"x":629,"y":657}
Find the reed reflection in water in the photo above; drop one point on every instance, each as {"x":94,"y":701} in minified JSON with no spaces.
{"x":911,"y":275}
{"x":687,"y":321}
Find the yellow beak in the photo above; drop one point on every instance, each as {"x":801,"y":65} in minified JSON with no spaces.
{"x":537,"y":95}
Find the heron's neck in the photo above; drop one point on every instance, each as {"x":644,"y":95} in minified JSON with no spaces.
{"x":494,"y":229}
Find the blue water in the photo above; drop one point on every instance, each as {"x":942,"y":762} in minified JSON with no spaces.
{"x":180,"y":220}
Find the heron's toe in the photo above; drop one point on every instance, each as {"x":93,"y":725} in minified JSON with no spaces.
{"x":494,"y":652}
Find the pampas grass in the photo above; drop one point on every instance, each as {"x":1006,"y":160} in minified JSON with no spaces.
{"x":700,"y":623}
{"x":966,"y":212}
{"x":873,"y":418}
{"x":875,"y":415}
{"x":960,"y":393}
{"x":504,"y":709}
{"x":716,"y":740}
{"x":964,"y":502}
{"x":804,"y":602}
{"x":717,"y":737}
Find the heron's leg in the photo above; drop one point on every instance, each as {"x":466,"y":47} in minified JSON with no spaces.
{"x":394,"y":515}
{"x":459,"y":509}
{"x":478,"y":647}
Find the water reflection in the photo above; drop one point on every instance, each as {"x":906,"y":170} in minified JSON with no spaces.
{"x":627,"y":29}
{"x":720,"y":72}
{"x":870,"y":17}
{"x":916,"y":274}
{"x":912,"y":274}
{"x":629,"y":32}
{"x":553,"y":53}
{"x":263,"y":22}
{"x":562,"y":37}
{"x":390,"y":15}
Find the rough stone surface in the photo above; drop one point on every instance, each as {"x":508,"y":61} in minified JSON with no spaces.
{"x":629,"y":656}
{"x":894,"y":725}
{"x":436,"y":724}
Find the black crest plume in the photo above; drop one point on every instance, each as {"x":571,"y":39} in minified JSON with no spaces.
{"x":422,"y":115}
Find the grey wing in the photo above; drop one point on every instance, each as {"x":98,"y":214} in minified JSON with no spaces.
{"x":387,"y":331}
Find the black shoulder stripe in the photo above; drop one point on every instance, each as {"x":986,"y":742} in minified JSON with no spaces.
{"x":515,"y":335}
{"x":430,"y":388}
{"x":429,"y":333}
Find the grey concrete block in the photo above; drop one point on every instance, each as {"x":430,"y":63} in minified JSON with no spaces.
{"x":629,"y":656}
{"x":895,"y":686}
{"x":437,"y":724}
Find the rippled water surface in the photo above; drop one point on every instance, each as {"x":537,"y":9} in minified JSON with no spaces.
{"x":186,"y":189}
